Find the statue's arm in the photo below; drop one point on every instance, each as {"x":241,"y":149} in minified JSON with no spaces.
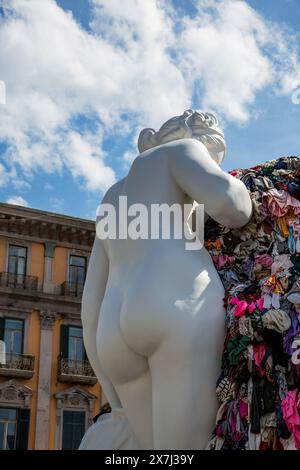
{"x":92,"y":296}
{"x":225,"y":198}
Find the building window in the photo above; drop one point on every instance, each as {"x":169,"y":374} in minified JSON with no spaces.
{"x":17,"y":258}
{"x":8,"y":428}
{"x":72,"y":346}
{"x":14,"y":425}
{"x":12,"y":333}
{"x":77,"y":269}
{"x":73,"y":429}
{"x":76,"y":348}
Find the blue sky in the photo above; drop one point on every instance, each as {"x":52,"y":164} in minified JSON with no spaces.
{"x":84,"y":77}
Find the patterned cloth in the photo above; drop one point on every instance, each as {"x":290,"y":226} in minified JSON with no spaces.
{"x":259,"y":265}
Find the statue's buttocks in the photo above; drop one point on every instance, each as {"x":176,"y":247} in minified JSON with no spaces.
{"x":178,"y":294}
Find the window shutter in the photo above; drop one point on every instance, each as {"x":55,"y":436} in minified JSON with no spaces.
{"x":73,"y":429}
{"x":23,"y":429}
{"x":2,"y":328}
{"x":64,"y":341}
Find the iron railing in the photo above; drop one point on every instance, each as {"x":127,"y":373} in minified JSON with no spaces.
{"x":75,"y":371}
{"x":19,"y":281}
{"x":74,"y":289}
{"x":71,"y":367}
{"x":20,"y":362}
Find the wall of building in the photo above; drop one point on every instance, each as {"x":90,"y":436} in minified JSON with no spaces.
{"x":60,"y":265}
{"x":37,"y":261}
{"x":32,"y":344}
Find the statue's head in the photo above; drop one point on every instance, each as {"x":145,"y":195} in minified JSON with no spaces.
{"x":193,"y":124}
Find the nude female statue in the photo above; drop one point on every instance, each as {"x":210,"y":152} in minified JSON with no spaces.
{"x":152,"y":312}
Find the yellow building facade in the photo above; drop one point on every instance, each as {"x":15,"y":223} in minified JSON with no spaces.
{"x":48,"y":391}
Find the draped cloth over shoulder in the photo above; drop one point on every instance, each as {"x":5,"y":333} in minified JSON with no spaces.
{"x":110,"y":432}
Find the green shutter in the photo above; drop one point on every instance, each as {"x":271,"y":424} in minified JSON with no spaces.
{"x":64,"y":341}
{"x":73,"y":429}
{"x":23,"y":429}
{"x":2,"y":328}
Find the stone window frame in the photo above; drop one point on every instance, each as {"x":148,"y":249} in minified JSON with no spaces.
{"x":74,"y":398}
{"x":17,"y":314}
{"x":75,"y":252}
{"x":24,"y":244}
{"x":71,"y":319}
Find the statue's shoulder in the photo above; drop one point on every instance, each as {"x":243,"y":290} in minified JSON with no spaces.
{"x":113,"y":192}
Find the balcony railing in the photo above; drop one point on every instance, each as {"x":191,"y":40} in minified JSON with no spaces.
{"x":75,"y":371}
{"x":18,"y":281}
{"x":72,"y":289}
{"x":17,"y":365}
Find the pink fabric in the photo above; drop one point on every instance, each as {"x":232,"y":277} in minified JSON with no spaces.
{"x":251,"y":307}
{"x":242,"y":305}
{"x":260,"y":303}
{"x":259,"y":352}
{"x":279,"y":202}
{"x":291,"y":415}
{"x":240,"y":308}
{"x":243,"y":409}
{"x":265,"y":260}
{"x":222,"y":260}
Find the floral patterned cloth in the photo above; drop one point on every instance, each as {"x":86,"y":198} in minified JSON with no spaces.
{"x":260,"y":268}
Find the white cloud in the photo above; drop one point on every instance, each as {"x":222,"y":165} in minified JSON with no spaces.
{"x":140,"y":64}
{"x":223,"y":48}
{"x":84,"y":158}
{"x":56,"y":204}
{"x":3,"y":176}
{"x":17,"y":200}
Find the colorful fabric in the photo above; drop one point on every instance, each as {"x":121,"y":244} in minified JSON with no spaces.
{"x":259,"y":265}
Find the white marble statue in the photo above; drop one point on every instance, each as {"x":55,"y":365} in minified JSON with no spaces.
{"x":152,"y":311}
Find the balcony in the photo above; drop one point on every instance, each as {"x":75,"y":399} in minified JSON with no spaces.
{"x":17,"y":365}
{"x":73,"y":289}
{"x":75,"y":371}
{"x":18,"y":281}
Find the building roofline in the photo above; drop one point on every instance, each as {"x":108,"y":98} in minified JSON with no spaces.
{"x":42,"y":215}
{"x":38,"y":225}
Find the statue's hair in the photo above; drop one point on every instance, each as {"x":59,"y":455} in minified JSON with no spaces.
{"x":200,"y":125}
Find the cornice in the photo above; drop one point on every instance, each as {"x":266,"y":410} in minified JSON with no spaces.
{"x":40,"y":301}
{"x":38,"y":226}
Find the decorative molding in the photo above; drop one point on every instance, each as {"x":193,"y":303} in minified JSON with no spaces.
{"x":47,"y":319}
{"x":74,"y":398}
{"x":73,"y":319}
{"x":36,"y":225}
{"x":15,"y":311}
{"x":19,"y":242}
{"x":77,"y":252}
{"x":13,"y":393}
{"x":40,"y":301}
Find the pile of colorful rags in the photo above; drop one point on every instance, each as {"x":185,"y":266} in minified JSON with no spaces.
{"x":259,"y":386}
